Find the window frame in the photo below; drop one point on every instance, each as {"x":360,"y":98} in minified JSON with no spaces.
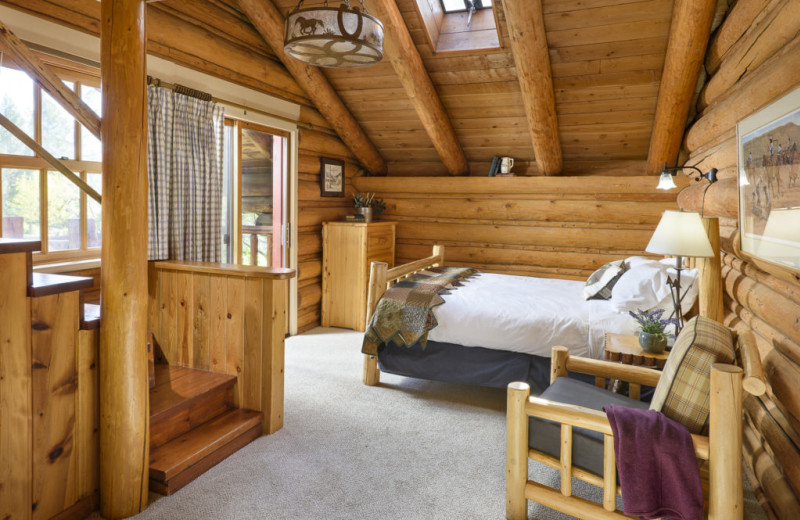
{"x":477,"y":8}
{"x":82,"y":76}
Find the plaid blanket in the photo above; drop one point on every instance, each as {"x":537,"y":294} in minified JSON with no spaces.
{"x":405,"y":313}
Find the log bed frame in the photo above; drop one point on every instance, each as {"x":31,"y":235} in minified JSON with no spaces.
{"x":380,"y":279}
{"x":709,"y":299}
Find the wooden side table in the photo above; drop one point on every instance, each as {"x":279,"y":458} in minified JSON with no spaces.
{"x":625,"y":349}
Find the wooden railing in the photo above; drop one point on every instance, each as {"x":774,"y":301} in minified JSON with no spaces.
{"x":255,"y":232}
{"x":224,"y":318}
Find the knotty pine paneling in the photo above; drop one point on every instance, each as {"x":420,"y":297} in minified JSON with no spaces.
{"x":754,"y":60}
{"x":553,"y":227}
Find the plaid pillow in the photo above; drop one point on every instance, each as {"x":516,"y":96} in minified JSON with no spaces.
{"x":683,"y":392}
{"x":600,"y":282}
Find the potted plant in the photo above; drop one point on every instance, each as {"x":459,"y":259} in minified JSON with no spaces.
{"x":652,"y":335}
{"x":367,"y":205}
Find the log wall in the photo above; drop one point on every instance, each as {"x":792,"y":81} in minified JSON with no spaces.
{"x":754,"y":59}
{"x":563,"y":227}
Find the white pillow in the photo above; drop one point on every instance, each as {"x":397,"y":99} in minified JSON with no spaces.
{"x":643,"y":286}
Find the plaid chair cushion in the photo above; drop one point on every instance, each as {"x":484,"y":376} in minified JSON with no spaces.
{"x":683,"y":392}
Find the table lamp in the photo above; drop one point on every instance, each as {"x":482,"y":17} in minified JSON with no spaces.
{"x":679,"y":234}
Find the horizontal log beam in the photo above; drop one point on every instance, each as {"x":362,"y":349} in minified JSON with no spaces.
{"x":768,"y":34}
{"x":269,"y":22}
{"x":720,"y":199}
{"x":55,"y":163}
{"x":689,"y":33}
{"x":736,"y":23}
{"x":49,"y":81}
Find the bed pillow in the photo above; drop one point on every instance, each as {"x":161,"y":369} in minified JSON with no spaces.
{"x":599,"y":284}
{"x":641,"y":287}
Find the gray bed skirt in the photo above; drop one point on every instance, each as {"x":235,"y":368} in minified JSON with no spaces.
{"x":452,"y":363}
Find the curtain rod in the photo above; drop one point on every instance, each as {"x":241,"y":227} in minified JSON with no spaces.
{"x":208,"y":97}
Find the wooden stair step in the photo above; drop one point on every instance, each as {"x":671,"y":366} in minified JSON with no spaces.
{"x":184,"y":398}
{"x":45,"y":284}
{"x":178,"y":462}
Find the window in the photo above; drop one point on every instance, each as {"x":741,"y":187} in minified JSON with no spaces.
{"x":255,"y":167}
{"x":459,"y":26}
{"x":38,"y":202}
{"x":454,"y":6}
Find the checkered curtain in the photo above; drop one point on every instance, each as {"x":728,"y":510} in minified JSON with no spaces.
{"x":184,"y":168}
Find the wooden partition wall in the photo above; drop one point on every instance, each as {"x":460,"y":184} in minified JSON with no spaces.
{"x":227,"y":319}
{"x":752,"y":60}
{"x":563,"y":227}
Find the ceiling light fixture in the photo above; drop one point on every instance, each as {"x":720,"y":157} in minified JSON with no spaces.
{"x":342,"y":37}
{"x":666,"y":181}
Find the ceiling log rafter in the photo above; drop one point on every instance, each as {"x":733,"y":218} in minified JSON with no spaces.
{"x":269,"y":22}
{"x":532,"y":58}
{"x":399,"y":47}
{"x":688,"y":37}
{"x":49,"y":81}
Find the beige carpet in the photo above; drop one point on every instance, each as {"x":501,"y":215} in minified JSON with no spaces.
{"x":408,"y":449}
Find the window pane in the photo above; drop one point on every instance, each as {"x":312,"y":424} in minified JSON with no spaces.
{"x":93,"y":213}
{"x":91,"y":149}
{"x":58,"y":127}
{"x":16,"y":103}
{"x":21,"y":203}
{"x":459,"y":5}
{"x":63,"y":213}
{"x":227,"y":182}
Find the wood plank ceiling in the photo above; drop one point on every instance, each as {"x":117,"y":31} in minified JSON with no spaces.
{"x":606,"y":56}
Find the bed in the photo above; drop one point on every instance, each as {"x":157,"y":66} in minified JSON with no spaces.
{"x":494,"y":329}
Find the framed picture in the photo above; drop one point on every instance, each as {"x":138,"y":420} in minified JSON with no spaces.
{"x":769,"y":182}
{"x":331,"y":177}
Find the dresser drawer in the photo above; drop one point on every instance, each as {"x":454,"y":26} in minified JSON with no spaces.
{"x":380,"y":240}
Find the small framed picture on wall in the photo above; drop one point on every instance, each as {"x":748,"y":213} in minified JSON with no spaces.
{"x":331,"y":177}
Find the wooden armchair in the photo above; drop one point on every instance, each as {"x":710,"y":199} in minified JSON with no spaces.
{"x":721,"y":449}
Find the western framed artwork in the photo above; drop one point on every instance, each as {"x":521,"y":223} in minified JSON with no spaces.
{"x":331,"y":177}
{"x":769,"y":182}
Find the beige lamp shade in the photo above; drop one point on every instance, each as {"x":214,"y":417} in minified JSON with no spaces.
{"x":680,"y":233}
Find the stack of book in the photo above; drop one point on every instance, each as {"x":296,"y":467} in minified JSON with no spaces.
{"x":354,"y":218}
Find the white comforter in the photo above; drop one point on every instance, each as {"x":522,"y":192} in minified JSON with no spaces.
{"x":526,"y":314}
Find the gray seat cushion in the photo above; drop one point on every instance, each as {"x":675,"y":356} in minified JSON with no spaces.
{"x":587,"y":445}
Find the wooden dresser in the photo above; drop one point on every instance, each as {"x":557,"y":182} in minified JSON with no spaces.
{"x":348,"y":250}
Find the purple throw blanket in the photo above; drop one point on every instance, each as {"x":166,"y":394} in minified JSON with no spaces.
{"x":656,"y":463}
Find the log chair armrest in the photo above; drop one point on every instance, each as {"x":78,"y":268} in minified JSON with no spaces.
{"x":562,"y":363}
{"x":589,"y":419}
{"x":754,"y":382}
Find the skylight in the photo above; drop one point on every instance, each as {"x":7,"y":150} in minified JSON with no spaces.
{"x":456,"y":6}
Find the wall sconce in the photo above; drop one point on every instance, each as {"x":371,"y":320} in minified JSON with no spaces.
{"x":666,"y":181}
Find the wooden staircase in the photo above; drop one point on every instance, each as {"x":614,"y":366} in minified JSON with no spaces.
{"x":194,"y":425}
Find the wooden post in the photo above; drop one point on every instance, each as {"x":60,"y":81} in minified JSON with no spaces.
{"x":272,"y":353}
{"x":566,"y":460}
{"x":269,"y":22}
{"x":407,"y":63}
{"x":558,"y":363}
{"x":516,"y":451}
{"x":377,"y":286}
{"x":532,"y":58}
{"x":710,"y":276}
{"x":688,"y":37}
{"x":609,"y":474}
{"x":124,"y":393}
{"x":16,"y":405}
{"x":725,"y":444}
